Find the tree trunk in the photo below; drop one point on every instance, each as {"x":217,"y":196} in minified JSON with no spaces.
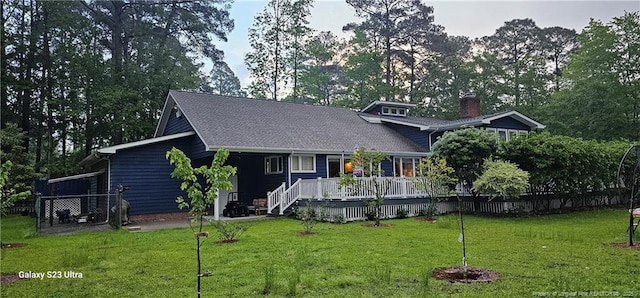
{"x":388,"y":65}
{"x":4,"y":107}
{"x":26,"y":66}
{"x":276,"y":12}
{"x":118,"y":59}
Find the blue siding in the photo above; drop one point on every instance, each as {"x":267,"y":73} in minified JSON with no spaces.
{"x":435,"y":137}
{"x":252,"y":181}
{"x":176,"y":124}
{"x":376,"y":110}
{"x":508,"y":123}
{"x":198,"y":149}
{"x":273,"y":181}
{"x":387,"y":167}
{"x":148,"y":174}
{"x":412,"y":133}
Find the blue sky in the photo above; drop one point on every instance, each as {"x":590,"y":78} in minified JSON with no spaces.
{"x":469,"y":18}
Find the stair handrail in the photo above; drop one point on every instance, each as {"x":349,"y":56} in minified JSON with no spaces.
{"x":290,"y":196}
{"x":274,"y":198}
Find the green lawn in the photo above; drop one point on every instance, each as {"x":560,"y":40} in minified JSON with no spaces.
{"x":567,"y":254}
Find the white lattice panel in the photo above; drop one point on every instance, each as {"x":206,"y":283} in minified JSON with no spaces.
{"x":72,"y":204}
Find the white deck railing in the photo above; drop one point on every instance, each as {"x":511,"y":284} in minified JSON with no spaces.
{"x":329,"y":188}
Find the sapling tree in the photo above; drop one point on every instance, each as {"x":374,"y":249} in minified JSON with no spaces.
{"x":499,"y":178}
{"x":199,"y":196}
{"x":308,"y":216}
{"x":367,"y":164}
{"x":434,"y":177}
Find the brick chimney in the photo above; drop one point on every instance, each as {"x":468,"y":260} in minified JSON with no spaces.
{"x":469,"y":106}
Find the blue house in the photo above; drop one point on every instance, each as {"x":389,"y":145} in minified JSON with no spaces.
{"x":284,"y":151}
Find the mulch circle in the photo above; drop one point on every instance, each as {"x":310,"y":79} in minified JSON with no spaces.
{"x":9,"y":278}
{"x":226,"y":241}
{"x":626,"y":245}
{"x":305,"y":233}
{"x":456,"y":274}
{"x":373,"y":225}
{"x":13,"y":245}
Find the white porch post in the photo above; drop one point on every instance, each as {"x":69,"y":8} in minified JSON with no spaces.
{"x":299,"y":188}
{"x":216,"y":214}
{"x":319,"y":190}
{"x":268,"y":202}
{"x":403,"y":184}
{"x":281,"y":199}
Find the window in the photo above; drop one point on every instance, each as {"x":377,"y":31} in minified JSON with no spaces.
{"x":273,"y":165}
{"x":337,"y":165}
{"x":502,"y":133}
{"x":303,"y":164}
{"x":506,"y":134}
{"x":394,"y":111}
{"x":405,"y":166}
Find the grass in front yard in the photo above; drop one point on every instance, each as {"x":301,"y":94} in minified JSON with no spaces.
{"x":560,"y":253}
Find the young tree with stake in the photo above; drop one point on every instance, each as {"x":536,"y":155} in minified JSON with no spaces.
{"x":199,"y":196}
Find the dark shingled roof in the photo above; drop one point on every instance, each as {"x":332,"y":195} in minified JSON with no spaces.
{"x":252,"y":124}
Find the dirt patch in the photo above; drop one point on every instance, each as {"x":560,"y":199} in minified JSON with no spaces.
{"x":13,"y":245}
{"x":431,"y":220}
{"x":158,"y":216}
{"x":8,"y":278}
{"x":307,"y":233}
{"x":226,"y":241}
{"x":373,"y":225}
{"x":626,"y":245}
{"x":456,"y":274}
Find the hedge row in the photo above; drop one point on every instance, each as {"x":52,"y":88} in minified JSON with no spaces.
{"x":567,"y":165}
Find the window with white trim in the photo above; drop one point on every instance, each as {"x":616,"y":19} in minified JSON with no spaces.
{"x":506,"y":134}
{"x":503,"y":135}
{"x":405,"y":166}
{"x":273,"y":165}
{"x":303,"y":163}
{"x":394,"y":111}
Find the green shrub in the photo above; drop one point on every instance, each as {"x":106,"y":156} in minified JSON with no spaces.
{"x":402,"y":213}
{"x":338,"y":218}
{"x":229,"y":232}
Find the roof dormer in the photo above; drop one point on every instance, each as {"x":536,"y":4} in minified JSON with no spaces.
{"x":388,"y":108}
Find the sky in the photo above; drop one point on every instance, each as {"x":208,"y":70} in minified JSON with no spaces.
{"x":469,"y":18}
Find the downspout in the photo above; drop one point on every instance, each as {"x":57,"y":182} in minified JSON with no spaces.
{"x":289,"y":167}
{"x":109,"y":174}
